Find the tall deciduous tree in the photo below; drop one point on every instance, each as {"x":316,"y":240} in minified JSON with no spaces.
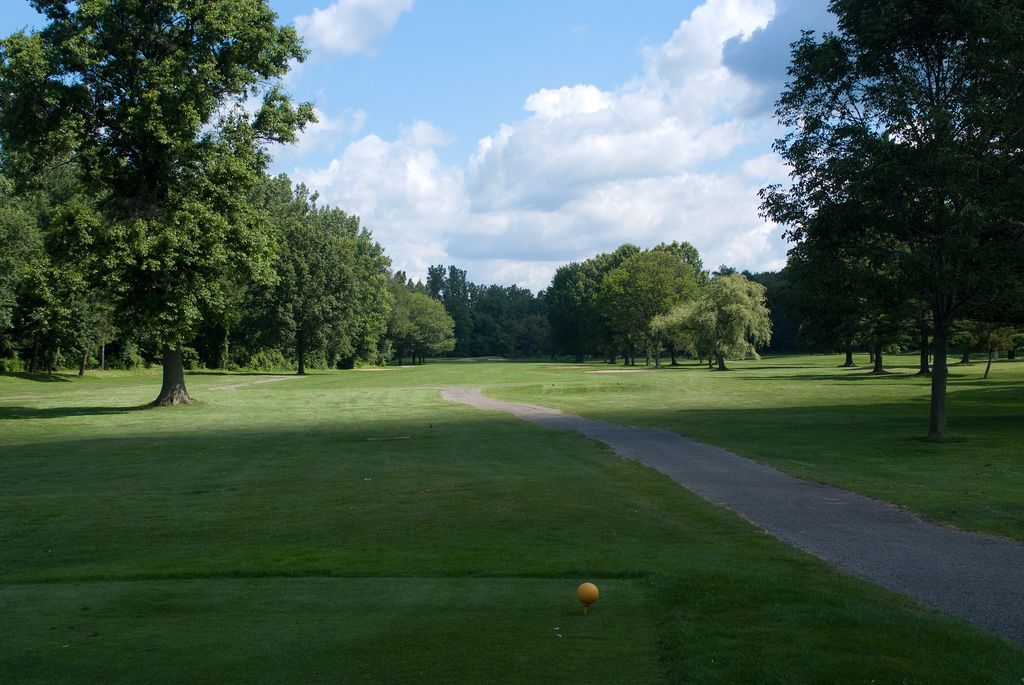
{"x":645,"y":285}
{"x":571,"y":308}
{"x":451,"y":287}
{"x":418,"y":324}
{"x":329,"y":297}
{"x":146,"y":98}
{"x":912,"y":113}
{"x":22,"y":244}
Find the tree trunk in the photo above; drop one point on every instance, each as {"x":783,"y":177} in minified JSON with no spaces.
{"x":1011,"y":353}
{"x":938,"y":428}
{"x":579,"y":356}
{"x":173,"y":391}
{"x":848,"y":346}
{"x":965,"y":356}
{"x":103,"y":356}
{"x":878,"y":369}
{"x":33,"y":364}
{"x":923,"y":369}
{"x":721,"y":362}
{"x":988,"y":366}
{"x":672,"y":351}
{"x":300,"y":352}
{"x":224,"y":350}
{"x":85,"y":360}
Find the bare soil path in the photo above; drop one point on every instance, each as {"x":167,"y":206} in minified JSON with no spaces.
{"x":974,"y":576}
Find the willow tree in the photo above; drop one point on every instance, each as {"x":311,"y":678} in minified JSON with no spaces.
{"x":729,"y":319}
{"x":149,"y":100}
{"x":912,"y":116}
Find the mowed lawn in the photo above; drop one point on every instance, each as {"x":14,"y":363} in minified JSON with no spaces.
{"x":807,"y":416}
{"x":353,"y":527}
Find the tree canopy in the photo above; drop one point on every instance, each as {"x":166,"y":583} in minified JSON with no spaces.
{"x":908,"y":122}
{"x":728,"y":320}
{"x":146,"y":99}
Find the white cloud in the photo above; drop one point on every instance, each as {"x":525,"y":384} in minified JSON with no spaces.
{"x":326,"y":133}
{"x":659,"y":158}
{"x":768,"y":167}
{"x":564,"y":102}
{"x":400,"y":190}
{"x":351,"y":26}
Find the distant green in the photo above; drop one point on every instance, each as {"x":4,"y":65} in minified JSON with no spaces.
{"x":353,"y":527}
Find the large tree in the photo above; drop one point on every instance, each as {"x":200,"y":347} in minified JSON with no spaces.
{"x":572,"y":309}
{"x":22,"y":243}
{"x":147,"y":99}
{"x":645,"y":285}
{"x":418,"y":324}
{"x":728,"y":320}
{"x":451,"y":287}
{"x":329,"y":298}
{"x":912,"y":116}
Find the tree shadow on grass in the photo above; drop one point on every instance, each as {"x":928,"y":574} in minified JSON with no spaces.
{"x":15,"y":413}
{"x":855,"y":375}
{"x":37,"y":377}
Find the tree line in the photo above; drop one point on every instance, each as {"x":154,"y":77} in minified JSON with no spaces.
{"x":140,"y":224}
{"x":905,"y":131}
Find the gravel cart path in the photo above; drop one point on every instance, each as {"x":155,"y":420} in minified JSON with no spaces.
{"x":974,"y":576}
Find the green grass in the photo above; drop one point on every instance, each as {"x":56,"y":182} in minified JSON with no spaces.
{"x":840,"y":426}
{"x":353,"y":527}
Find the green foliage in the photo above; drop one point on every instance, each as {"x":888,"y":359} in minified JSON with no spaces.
{"x":418,"y":324}
{"x":905,"y":128}
{"x":451,"y":287}
{"x":782,"y":303}
{"x":572,"y":309}
{"x":645,"y":285}
{"x":728,"y":320}
{"x":146,"y":101}
{"x":329,"y":295}
{"x":126,"y":357}
{"x":606,"y":303}
{"x":22,"y":244}
{"x":507,"y":321}
{"x":271,"y":359}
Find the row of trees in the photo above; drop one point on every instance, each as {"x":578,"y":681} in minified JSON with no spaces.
{"x":137,"y":211}
{"x":906,"y":143}
{"x":490,"y":320}
{"x":135,"y":206}
{"x":655,"y":300}
{"x":324,"y":296}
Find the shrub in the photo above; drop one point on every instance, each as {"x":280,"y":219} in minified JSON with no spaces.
{"x":268,"y":360}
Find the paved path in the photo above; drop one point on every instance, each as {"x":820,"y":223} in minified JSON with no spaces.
{"x":977,"y":577}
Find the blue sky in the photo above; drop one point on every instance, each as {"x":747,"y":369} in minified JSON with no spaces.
{"x":511,"y":136}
